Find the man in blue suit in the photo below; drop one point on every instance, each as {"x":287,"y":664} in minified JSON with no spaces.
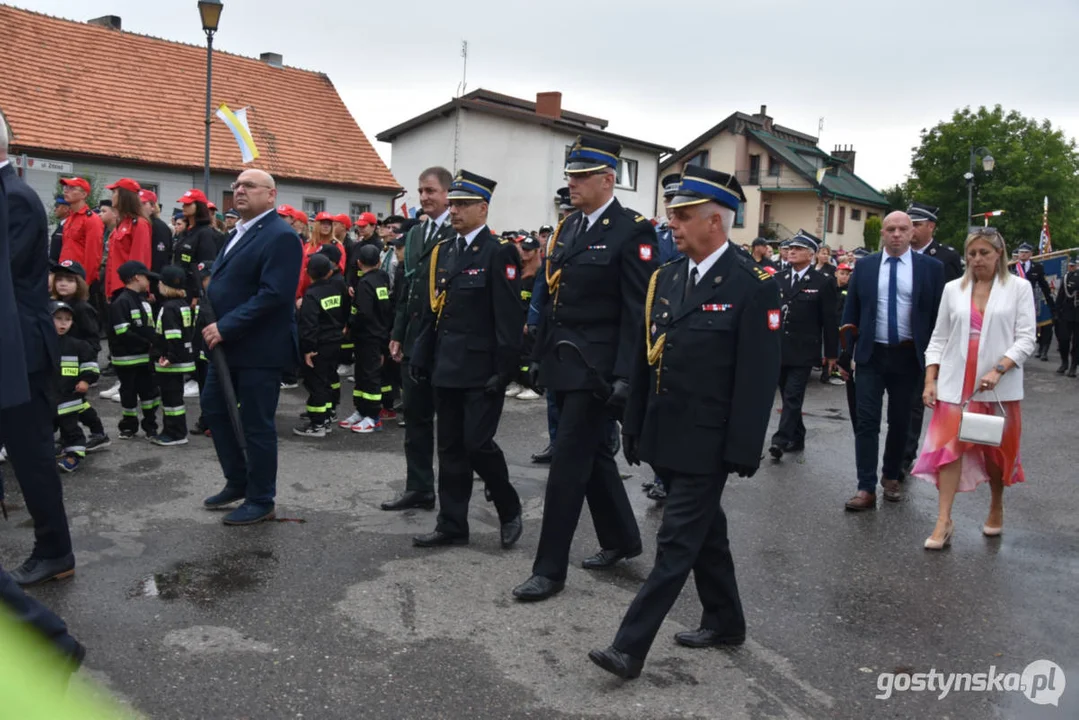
{"x":252,"y":292}
{"x":26,"y":430}
{"x":892,"y":301}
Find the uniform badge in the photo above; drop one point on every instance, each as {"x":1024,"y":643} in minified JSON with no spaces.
{"x":773,"y":319}
{"x":770,"y":270}
{"x":716,"y":307}
{"x":511,"y":272}
{"x":645,"y":252}
{"x":933,"y":251}
{"x":606,"y":221}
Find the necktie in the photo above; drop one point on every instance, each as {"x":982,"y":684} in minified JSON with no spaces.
{"x":461,"y":245}
{"x":432,"y":229}
{"x":584,"y":226}
{"x":794,"y":279}
{"x":691,"y":282}
{"x":893,"y":298}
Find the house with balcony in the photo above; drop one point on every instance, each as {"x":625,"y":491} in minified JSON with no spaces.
{"x":789,"y":182}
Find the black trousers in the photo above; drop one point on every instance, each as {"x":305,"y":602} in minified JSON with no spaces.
{"x":26,"y":432}
{"x":692,"y":536}
{"x":72,"y":438}
{"x":582,"y":467}
{"x":1068,"y":341}
{"x":419,"y":411}
{"x":202,"y":366}
{"x":917,"y":417}
{"x":92,"y":421}
{"x":318,"y":381}
{"x":467,"y":423}
{"x":1045,"y":338}
{"x":895,"y":371}
{"x":138,"y":389}
{"x":391,"y":382}
{"x":792,"y":385}
{"x":367,"y":393}
{"x":27,"y":610}
{"x":173,"y":412}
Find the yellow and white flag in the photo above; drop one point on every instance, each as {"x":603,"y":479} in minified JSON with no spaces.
{"x":820,"y":173}
{"x":237,"y":123}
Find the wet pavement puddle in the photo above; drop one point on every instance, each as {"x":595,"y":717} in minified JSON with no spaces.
{"x":206,"y":582}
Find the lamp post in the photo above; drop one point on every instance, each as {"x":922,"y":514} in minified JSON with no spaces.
{"x":987,"y":164}
{"x":210,"y":12}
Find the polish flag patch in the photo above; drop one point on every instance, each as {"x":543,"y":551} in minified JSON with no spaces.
{"x":769,"y":269}
{"x":511,"y":272}
{"x":773,"y":319}
{"x":645,"y":251}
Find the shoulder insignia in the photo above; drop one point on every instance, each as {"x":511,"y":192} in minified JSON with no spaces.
{"x":640,"y":218}
{"x":503,"y":241}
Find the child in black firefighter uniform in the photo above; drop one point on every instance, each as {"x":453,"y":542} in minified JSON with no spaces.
{"x":132,"y":340}
{"x":198,"y":347}
{"x":333,"y":252}
{"x":369,"y":326}
{"x":321,"y":324}
{"x":76,"y":372}
{"x":175,"y":330}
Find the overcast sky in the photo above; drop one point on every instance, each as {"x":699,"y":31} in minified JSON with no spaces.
{"x":877,"y":72}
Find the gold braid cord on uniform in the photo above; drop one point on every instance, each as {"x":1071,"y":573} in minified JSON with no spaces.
{"x":438,"y":299}
{"x":553,"y":278}
{"x":654,"y":349}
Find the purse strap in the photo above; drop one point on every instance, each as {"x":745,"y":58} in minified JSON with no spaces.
{"x":995,"y":397}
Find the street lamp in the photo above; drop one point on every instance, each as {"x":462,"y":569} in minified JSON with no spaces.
{"x":210,"y":12}
{"x":988,"y":163}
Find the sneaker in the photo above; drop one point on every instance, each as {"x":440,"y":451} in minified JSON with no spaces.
{"x":837,"y":381}
{"x":351,"y":420}
{"x":528,"y":394}
{"x":58,"y":450}
{"x":367,"y":425}
{"x":112,"y":393}
{"x":289,"y":386}
{"x":344,"y":369}
{"x":513,"y":390}
{"x":191,"y":389}
{"x":332,"y":418}
{"x":387,"y":414}
{"x":352,"y":379}
{"x":310,"y":430}
{"x":167,"y":441}
{"x":97,"y":442}
{"x":69,"y":463}
{"x":128,"y":434}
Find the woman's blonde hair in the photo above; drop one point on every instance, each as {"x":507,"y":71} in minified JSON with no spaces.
{"x":996,"y":240}
{"x":170,"y":292}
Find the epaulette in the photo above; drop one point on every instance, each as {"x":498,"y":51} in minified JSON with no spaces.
{"x":754,"y":269}
{"x":503,"y":241}
{"x":637,"y":217}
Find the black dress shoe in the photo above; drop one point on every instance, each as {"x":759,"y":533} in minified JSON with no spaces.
{"x":36,"y":571}
{"x":707,"y":638}
{"x":438,"y":539}
{"x":794,"y":447}
{"x":537,"y":588}
{"x":224,"y":498}
{"x":1063,"y":368}
{"x":511,"y":531}
{"x":543,"y":457}
{"x":776,"y":452}
{"x":411,"y":499}
{"x":617,"y":662}
{"x":607,"y":558}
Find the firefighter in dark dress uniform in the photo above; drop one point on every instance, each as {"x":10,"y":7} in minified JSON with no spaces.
{"x":1035,"y":273}
{"x":704,"y":372}
{"x":598,"y":264}
{"x":809,"y":318}
{"x":469,"y":346}
{"x":1067,"y":311}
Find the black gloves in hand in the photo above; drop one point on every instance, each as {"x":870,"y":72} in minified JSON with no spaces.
{"x":497,"y":384}
{"x":619,"y":395}
{"x":631,"y":449}
{"x":532,"y":377}
{"x":531,"y":331}
{"x":742,"y":470}
{"x":417,"y":374}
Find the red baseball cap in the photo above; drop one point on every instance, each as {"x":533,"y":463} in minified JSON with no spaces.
{"x":125,"y":184}
{"x":194,"y":195}
{"x":76,"y":182}
{"x":367,"y":218}
{"x":324,"y":216}
{"x":844,"y":266}
{"x":299,"y":215}
{"x":344,"y":220}
{"x":286,"y":211}
{"x":148,"y":196}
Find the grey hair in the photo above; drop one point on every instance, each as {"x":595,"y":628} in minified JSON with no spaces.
{"x":728,"y":219}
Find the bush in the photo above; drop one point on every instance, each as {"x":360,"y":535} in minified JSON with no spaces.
{"x":871,"y":234}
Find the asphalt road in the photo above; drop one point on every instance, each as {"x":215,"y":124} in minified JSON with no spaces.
{"x":331,"y":613}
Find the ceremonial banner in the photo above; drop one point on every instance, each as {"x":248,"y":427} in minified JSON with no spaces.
{"x":237,"y":123}
{"x":1045,"y":245}
{"x":1055,"y":268}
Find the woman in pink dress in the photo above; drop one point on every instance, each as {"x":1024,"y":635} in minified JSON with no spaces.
{"x":985,"y":331}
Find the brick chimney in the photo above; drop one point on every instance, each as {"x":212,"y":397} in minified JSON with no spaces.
{"x":846,"y":154}
{"x":112,"y":22}
{"x":549,"y":104}
{"x":764,"y":118}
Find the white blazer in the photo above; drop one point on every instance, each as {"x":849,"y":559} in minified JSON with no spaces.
{"x":1008,"y":329}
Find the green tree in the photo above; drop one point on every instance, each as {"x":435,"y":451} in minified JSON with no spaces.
{"x":1032,"y":161}
{"x":871,"y":233}
{"x":899,"y":196}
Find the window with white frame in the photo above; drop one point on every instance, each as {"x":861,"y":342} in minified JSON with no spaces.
{"x":313,"y":206}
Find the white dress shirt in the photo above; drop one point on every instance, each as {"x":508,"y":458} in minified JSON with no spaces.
{"x":242,"y":227}
{"x":904,"y":296}
{"x":4,"y":164}
{"x":471,"y":236}
{"x":797,"y":275}
{"x":705,"y":265}
{"x":435,"y":224}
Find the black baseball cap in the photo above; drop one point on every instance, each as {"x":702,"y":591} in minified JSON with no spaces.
{"x":331,"y":251}
{"x":132,"y":268}
{"x":69,"y":266}
{"x":398,"y":241}
{"x":318,"y":266}
{"x":58,"y":305}
{"x":174,"y":277}
{"x":368,"y":255}
{"x":757,"y":242}
{"x":530,"y":243}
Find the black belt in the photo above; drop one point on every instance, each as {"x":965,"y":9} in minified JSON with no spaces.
{"x":903,"y":344}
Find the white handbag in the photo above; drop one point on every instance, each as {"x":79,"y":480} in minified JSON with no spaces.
{"x":982,"y":429}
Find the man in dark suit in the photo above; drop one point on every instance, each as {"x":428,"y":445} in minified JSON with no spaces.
{"x":892,"y":301}
{"x":26,"y":430}
{"x":1034,"y":272}
{"x":470,"y":347}
{"x":598,"y":265}
{"x":702,"y":386}
{"x":418,"y":395}
{"x":810,"y":322}
{"x":252,"y":291}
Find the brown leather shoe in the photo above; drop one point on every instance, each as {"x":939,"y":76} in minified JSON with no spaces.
{"x":862,"y":500}
{"x":893,"y":491}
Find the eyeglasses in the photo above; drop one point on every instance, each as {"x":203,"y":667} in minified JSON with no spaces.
{"x":248,"y":185}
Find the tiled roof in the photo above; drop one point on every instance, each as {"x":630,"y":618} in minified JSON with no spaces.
{"x":89,"y":91}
